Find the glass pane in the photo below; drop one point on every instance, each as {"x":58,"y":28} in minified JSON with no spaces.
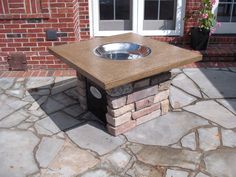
{"x":225,"y":1}
{"x":151,"y":10}
{"x":223,"y":14}
{"x":106,"y":9}
{"x":167,"y":10}
{"x":234,"y":14}
{"x":122,"y":9}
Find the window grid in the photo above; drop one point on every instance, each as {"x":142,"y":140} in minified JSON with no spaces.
{"x":233,"y":3}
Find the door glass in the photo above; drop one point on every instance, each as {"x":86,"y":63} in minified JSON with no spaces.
{"x":122,"y":10}
{"x":151,"y":10}
{"x":234,"y":14}
{"x":115,"y":15}
{"x":159,"y":14}
{"x":106,"y":9}
{"x":167,"y":10}
{"x":223,"y":14}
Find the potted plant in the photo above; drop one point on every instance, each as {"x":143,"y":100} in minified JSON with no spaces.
{"x":206,"y":25}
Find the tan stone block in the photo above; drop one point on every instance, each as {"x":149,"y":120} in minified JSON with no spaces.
{"x":164,"y":107}
{"x":144,"y":103}
{"x":81,"y":91}
{"x":145,"y":111}
{"x":164,"y":85}
{"x":161,"y":96}
{"x":136,"y":96}
{"x":116,"y":121}
{"x":148,"y":117}
{"x":122,"y":128}
{"x":116,"y":102}
{"x":121,"y":110}
{"x":141,"y":83}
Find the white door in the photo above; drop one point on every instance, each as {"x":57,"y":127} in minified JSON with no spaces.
{"x":226,"y":15}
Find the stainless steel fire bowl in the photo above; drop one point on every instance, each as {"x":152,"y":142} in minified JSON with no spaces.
{"x":122,"y":51}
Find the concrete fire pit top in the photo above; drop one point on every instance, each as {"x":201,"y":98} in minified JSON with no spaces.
{"x":111,"y":73}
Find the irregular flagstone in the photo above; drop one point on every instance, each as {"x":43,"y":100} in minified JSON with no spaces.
{"x":38,"y":92}
{"x":209,"y":138}
{"x":117,"y":160}
{"x":229,"y":104}
{"x":15,"y":103}
{"x":164,"y":156}
{"x":36,"y":82}
{"x":183,"y":82}
{"x":51,"y":106}
{"x":189,"y":141}
{"x":93,"y":136}
{"x":213,"y":112}
{"x":64,"y":99}
{"x":63,"y":121}
{"x":63,"y":83}
{"x":47,"y":150}
{"x":12,"y":120}
{"x":5,"y":110}
{"x":215,"y":83}
{"x":16,"y":153}
{"x":46,"y":126}
{"x":70,"y":161}
{"x":74,"y":110}
{"x":98,"y":173}
{"x":176,"y":173}
{"x":6,"y":82}
{"x":139,"y":169}
{"x":221,"y":162}
{"x":37,"y":103}
{"x":179,"y":99}
{"x":73,"y":93}
{"x":17,"y":93}
{"x":25,"y":125}
{"x":201,"y":175}
{"x":165,"y":130}
{"x":228,"y":138}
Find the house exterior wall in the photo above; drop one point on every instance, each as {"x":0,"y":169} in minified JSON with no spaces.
{"x":23,"y":24}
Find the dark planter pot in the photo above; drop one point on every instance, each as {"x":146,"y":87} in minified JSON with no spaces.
{"x":199,"y":38}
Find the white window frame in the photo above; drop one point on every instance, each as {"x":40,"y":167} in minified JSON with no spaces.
{"x":226,"y":27}
{"x":138,"y":13}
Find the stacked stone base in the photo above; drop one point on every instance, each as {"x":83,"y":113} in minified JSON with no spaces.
{"x":132,"y":104}
{"x":136,"y":103}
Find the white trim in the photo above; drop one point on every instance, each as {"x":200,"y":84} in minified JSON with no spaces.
{"x":138,"y":14}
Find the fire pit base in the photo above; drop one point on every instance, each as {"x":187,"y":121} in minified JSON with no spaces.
{"x":127,"y":106}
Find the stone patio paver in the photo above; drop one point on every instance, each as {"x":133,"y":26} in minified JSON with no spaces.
{"x":47,"y":150}
{"x":221,"y":163}
{"x":45,"y":133}
{"x":179,"y":99}
{"x":165,"y":130}
{"x":92,"y":136}
{"x":214,"y":112}
{"x":16,"y":152}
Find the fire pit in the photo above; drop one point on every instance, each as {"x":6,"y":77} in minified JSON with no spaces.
{"x":124,"y":83}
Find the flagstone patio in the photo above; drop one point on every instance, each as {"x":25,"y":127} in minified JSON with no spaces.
{"x":45,"y":133}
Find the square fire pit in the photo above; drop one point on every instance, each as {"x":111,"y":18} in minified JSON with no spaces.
{"x":124,"y":79}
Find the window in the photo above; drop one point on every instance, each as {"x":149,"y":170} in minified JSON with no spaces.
{"x":226,"y":14}
{"x":146,"y":17}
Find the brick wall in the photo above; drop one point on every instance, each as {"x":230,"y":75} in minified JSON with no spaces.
{"x":23,"y":24}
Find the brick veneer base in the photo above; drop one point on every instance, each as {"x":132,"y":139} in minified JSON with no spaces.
{"x":132,"y":104}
